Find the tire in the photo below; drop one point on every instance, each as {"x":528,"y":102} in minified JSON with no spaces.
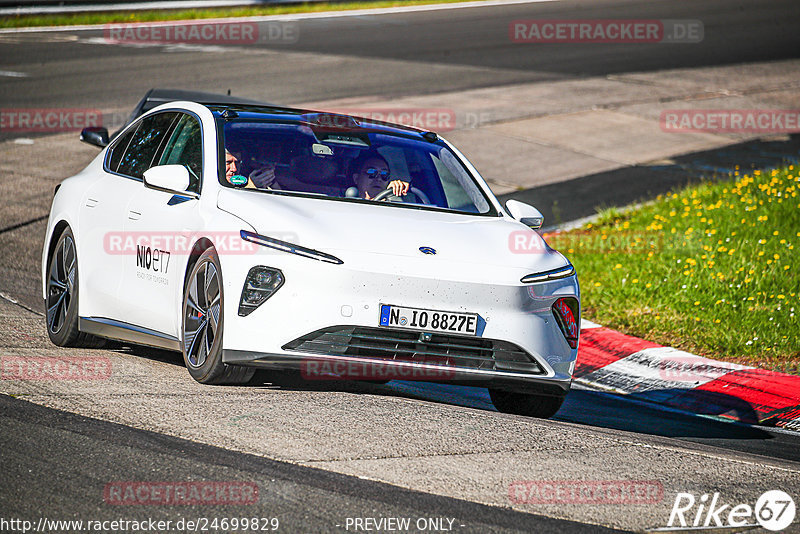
{"x":61,"y":302}
{"x":541,"y":406}
{"x":202,"y":325}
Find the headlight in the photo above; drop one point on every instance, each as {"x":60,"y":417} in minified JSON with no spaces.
{"x":555,"y":274}
{"x":291,"y":248}
{"x":259,"y":285}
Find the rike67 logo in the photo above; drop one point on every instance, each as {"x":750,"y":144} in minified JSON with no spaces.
{"x":774,"y":510}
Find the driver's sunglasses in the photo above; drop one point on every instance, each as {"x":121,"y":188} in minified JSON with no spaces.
{"x":373,"y":172}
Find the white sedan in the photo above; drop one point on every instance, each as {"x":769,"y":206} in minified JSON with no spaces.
{"x":249,"y":236}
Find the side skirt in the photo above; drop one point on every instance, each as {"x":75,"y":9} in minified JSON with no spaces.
{"x":111,"y":329}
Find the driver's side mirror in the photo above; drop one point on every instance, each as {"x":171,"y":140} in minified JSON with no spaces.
{"x":173,"y":179}
{"x":95,"y":135}
{"x":525,"y":213}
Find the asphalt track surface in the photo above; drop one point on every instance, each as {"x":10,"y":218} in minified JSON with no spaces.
{"x":303,"y":499}
{"x":54,"y":461}
{"x":392,"y":55}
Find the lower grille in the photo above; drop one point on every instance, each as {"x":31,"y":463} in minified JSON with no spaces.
{"x":425,"y":348}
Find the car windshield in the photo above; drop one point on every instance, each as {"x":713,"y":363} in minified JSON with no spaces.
{"x":348,"y":163}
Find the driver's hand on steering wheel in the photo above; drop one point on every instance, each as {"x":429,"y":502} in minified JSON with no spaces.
{"x":399,"y":187}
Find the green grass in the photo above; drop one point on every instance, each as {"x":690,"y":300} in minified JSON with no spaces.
{"x":22,"y":21}
{"x":711,"y":269}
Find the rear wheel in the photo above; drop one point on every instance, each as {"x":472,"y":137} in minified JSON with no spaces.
{"x":202,"y":324}
{"x":61,"y":301}
{"x":540,"y":406}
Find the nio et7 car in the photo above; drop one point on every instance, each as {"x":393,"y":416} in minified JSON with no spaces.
{"x":247,"y":235}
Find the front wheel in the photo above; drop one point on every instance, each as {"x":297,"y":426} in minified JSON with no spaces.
{"x":202,"y":324}
{"x":62,"y":296}
{"x":540,"y":406}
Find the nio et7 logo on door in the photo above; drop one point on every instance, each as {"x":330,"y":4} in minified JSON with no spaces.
{"x":152,"y":259}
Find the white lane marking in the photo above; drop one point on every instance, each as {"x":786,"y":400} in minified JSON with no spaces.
{"x":303,"y":16}
{"x":659,"y":371}
{"x":587,"y":324}
{"x":13,"y":74}
{"x":168,"y":47}
{"x":132,"y":6}
{"x":23,"y":141}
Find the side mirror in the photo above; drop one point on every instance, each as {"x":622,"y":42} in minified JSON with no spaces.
{"x":95,"y":135}
{"x":525,"y":213}
{"x":169,"y":179}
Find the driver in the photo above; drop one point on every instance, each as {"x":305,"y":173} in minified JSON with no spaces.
{"x":263,"y":178}
{"x":372,"y":177}
{"x":233,"y":164}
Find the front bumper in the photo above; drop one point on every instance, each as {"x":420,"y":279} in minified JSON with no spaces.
{"x":317,"y":296}
{"x":332,"y":367}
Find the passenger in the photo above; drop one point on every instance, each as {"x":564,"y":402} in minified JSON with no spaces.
{"x":372,"y":175}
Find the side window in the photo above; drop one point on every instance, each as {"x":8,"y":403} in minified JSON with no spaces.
{"x":145,"y":144}
{"x":185,"y":147}
{"x":118,"y":149}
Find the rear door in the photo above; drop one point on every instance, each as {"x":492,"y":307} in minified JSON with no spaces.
{"x":102,"y":219}
{"x":104,"y":214}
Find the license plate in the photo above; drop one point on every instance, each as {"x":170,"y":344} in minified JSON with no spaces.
{"x":429,"y":320}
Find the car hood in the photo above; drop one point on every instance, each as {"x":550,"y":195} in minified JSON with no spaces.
{"x":350,"y":229}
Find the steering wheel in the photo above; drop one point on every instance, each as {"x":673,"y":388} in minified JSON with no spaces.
{"x":388,"y":191}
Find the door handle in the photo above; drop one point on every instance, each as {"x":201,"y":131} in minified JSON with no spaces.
{"x":134,"y":215}
{"x":91,"y":202}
